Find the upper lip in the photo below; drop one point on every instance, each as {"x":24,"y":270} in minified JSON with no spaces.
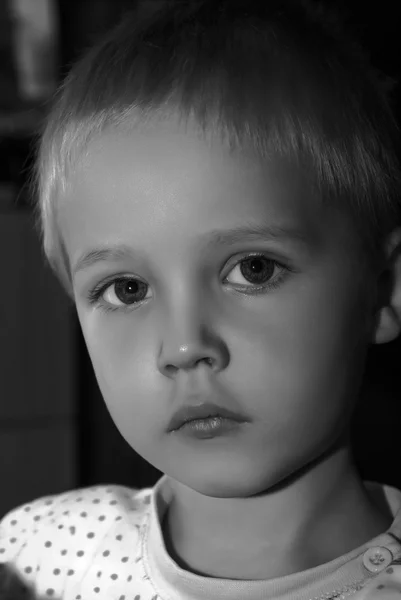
{"x":202,"y":411}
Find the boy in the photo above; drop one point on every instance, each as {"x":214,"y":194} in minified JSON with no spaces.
{"x":219,"y":194}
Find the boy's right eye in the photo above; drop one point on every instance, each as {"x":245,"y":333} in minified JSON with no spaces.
{"x":121,"y":292}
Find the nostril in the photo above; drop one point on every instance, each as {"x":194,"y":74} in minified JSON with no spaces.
{"x":188,"y":364}
{"x":208,"y":361}
{"x":171,"y":369}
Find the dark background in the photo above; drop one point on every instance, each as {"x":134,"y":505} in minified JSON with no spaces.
{"x":98,"y":452}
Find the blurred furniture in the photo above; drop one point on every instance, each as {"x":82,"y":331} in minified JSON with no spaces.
{"x":38,"y":424}
{"x":38,"y":337}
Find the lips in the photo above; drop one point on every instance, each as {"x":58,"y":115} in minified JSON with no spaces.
{"x":203,"y":411}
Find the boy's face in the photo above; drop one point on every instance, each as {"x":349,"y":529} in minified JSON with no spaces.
{"x":289,"y":356}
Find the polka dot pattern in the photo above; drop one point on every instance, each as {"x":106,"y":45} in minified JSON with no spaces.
{"x":80,"y":545}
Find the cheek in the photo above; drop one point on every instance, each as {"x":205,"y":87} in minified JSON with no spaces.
{"x":130,"y":400}
{"x":317,"y":324}
{"x":118,"y":350}
{"x":304,"y":353}
{"x":124,"y":371}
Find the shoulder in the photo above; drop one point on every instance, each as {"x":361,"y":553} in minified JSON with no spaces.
{"x":73,"y":523}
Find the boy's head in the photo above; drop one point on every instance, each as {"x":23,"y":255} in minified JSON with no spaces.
{"x":189,"y":122}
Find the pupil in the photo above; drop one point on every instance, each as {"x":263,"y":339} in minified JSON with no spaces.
{"x":257,"y":270}
{"x":128,"y":291}
{"x":131,"y":285}
{"x":258,"y":264}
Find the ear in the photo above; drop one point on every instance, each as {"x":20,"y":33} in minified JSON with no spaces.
{"x":388,"y":317}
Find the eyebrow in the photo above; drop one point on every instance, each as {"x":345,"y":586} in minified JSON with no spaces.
{"x":217,"y":237}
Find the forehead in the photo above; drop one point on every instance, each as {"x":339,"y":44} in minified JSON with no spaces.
{"x":175,"y":156}
{"x":164,"y":181}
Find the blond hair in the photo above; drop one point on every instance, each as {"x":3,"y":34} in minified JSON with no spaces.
{"x":282,"y":76}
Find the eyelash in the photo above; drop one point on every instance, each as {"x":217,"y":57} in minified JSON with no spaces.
{"x":94,"y":295}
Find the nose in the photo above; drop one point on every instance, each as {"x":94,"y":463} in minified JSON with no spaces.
{"x":188,"y":341}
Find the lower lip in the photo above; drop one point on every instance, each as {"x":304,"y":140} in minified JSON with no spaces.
{"x":208,"y":428}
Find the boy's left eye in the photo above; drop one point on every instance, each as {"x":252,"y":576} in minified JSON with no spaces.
{"x":256,"y":270}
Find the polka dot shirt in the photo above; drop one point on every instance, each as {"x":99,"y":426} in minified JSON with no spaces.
{"x":107,"y":543}
{"x":80,"y":545}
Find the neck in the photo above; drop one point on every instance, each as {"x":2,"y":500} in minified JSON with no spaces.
{"x":303,"y":522}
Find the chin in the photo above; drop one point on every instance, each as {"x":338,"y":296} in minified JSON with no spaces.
{"x":229,"y":483}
